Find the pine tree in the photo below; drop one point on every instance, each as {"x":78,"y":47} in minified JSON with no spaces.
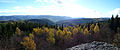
{"x":112,"y":23}
{"x":116,"y":22}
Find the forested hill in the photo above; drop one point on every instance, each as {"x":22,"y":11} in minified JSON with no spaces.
{"x":42,"y":21}
{"x":75,"y":21}
{"x":32,"y":35}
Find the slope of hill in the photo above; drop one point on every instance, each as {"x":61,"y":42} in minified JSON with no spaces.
{"x":42,"y":21}
{"x":80,"y":21}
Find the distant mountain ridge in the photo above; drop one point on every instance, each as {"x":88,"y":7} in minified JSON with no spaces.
{"x":26,"y":17}
{"x":51,"y":20}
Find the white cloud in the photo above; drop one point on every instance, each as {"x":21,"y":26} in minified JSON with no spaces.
{"x":17,"y":7}
{"x":65,"y":8}
{"x":115,"y":12}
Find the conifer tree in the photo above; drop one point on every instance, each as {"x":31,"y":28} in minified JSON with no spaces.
{"x":112,"y":23}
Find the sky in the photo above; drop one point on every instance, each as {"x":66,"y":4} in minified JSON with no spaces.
{"x":71,"y":8}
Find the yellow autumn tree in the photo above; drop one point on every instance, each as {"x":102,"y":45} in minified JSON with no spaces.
{"x":40,"y":31}
{"x":46,"y":29}
{"x":31,"y":35}
{"x":52,"y":30}
{"x":28,"y":43}
{"x":84,"y":27}
{"x":65,"y":29}
{"x":37,"y":30}
{"x":70,"y":28}
{"x":60,"y":33}
{"x":92,"y":27}
{"x":86,"y":31}
{"x":68,"y":35}
{"x":81,"y":30}
{"x":75,"y":31}
{"x":51,"y":34}
{"x":51,"y":40}
{"x":18,"y":31}
{"x":96,"y":28}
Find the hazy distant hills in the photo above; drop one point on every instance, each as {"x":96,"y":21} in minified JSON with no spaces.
{"x":49,"y":19}
{"x":69,"y":22}
{"x":80,"y":21}
{"x":26,"y":17}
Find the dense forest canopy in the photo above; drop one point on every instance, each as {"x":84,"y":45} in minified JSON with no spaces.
{"x":23,"y":35}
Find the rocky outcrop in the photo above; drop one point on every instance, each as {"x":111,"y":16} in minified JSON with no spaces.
{"x":94,"y":46}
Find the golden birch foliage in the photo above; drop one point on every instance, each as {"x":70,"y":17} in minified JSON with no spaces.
{"x":96,"y":29}
{"x":77,"y":26}
{"x":18,"y":31}
{"x":84,"y":27}
{"x":51,"y":34}
{"x":92,"y":27}
{"x":70,"y":28}
{"x":31,"y":36}
{"x":58,"y":27}
{"x":40,"y":31}
{"x":51,"y":40}
{"x":46,"y":29}
{"x":60,"y":34}
{"x":37,"y":31}
{"x":75,"y":31}
{"x":52,"y":30}
{"x":68,"y":35}
{"x":28,"y":43}
{"x":81,"y":30}
{"x":66,"y":29}
{"x":86,"y":31}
